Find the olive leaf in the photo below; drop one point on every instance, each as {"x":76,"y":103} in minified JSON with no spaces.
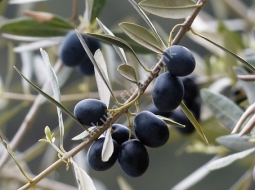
{"x":249,"y":87}
{"x":225,"y":161}
{"x":56,"y":92}
{"x":128,"y":72}
{"x":123,"y":184}
{"x":103,"y":90}
{"x":56,"y":26}
{"x":96,"y":65}
{"x":147,"y":20}
{"x":194,"y":122}
{"x":226,"y":111}
{"x":194,"y":177}
{"x":247,"y":64}
{"x":119,"y":50}
{"x":108,"y":146}
{"x":235,"y":142}
{"x":170,"y":122}
{"x":83,"y":179}
{"x":23,"y":1}
{"x":52,"y":100}
{"x":175,"y":9}
{"x":97,"y":8}
{"x":142,"y":36}
{"x":113,"y":40}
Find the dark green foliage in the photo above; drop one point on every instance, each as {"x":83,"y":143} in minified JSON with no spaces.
{"x":120,"y":133}
{"x":133,"y":158}
{"x":95,"y":152}
{"x":150,"y":130}
{"x":91,"y":112}
{"x":167,"y":92}
{"x":179,"y":60}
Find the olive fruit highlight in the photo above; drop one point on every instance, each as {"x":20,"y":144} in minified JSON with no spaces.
{"x":179,"y":60}
{"x":120,"y":133}
{"x":94,"y":156}
{"x":150,"y":130}
{"x":133,"y":158}
{"x":91,"y":112}
{"x":167,"y":92}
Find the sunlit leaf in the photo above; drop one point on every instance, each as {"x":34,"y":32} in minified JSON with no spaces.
{"x":103,"y":90}
{"x":108,"y":147}
{"x":147,"y":20}
{"x":128,"y":72}
{"x":194,"y":122}
{"x":83,"y":179}
{"x":223,"y":162}
{"x":54,"y":26}
{"x":85,"y":134}
{"x":235,"y":142}
{"x":142,"y":36}
{"x":170,"y":122}
{"x":226,"y":111}
{"x":175,"y":9}
{"x":56,"y":92}
{"x":249,"y":87}
{"x":119,"y":50}
{"x":135,"y":46}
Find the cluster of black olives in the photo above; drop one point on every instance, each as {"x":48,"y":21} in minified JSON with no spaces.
{"x":151,"y":131}
{"x":129,"y":150}
{"x":72,"y":53}
{"x":176,"y":85}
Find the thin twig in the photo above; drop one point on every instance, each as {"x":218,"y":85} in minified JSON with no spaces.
{"x":26,"y":124}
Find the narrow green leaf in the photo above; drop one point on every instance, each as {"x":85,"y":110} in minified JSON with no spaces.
{"x":104,"y":92}
{"x":97,"y":8}
{"x":147,"y":20}
{"x":113,"y":40}
{"x":194,"y":122}
{"x":170,"y":121}
{"x":194,"y":177}
{"x":235,"y":142}
{"x":247,"y":64}
{"x":175,"y":9}
{"x":226,"y":111}
{"x":135,"y":46}
{"x":249,"y":87}
{"x":56,"y":92}
{"x":52,"y":100}
{"x":142,"y":36}
{"x":96,"y":65}
{"x":118,"y":50}
{"x":128,"y":72}
{"x":108,"y":146}
{"x":83,"y":179}
{"x":223,"y":162}
{"x":85,"y":134}
{"x":56,"y":26}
